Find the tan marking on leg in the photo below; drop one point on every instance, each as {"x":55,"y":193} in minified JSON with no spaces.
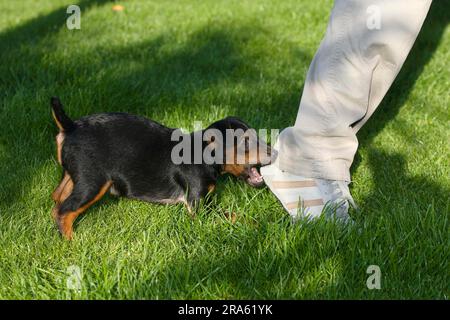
{"x":211,"y":188}
{"x":66,"y":192}
{"x":65,"y":221}
{"x":62,"y":193}
{"x":56,"y":195}
{"x":231,"y":216}
{"x":305,"y":203}
{"x":188,"y":207}
{"x":59,"y":143}
{"x":293,"y":184}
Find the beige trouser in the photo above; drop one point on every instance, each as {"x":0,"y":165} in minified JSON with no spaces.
{"x":365,"y":45}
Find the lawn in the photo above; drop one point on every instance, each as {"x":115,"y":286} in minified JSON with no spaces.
{"x":183,"y":61}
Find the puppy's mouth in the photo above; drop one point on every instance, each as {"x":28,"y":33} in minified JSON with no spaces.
{"x":253,"y":177}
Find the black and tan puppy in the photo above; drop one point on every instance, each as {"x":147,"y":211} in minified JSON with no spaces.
{"x":132,"y":156}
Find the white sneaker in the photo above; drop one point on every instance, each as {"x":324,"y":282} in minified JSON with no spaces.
{"x":309,"y":197}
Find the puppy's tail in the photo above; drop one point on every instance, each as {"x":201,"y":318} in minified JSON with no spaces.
{"x":63,"y":122}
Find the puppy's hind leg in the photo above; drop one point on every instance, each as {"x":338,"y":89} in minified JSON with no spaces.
{"x":200,"y":198}
{"x":82,"y":197}
{"x":61,"y":193}
{"x":65,"y":184}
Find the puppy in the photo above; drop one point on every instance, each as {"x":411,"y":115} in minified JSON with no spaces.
{"x":135,"y":157}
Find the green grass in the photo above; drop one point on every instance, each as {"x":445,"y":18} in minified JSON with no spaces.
{"x":181,"y":61}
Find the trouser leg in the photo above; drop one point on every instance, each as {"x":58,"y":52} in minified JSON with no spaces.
{"x":365,"y":45}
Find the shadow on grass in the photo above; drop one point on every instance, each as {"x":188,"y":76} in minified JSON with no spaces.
{"x":22,"y":48}
{"x":274,"y":259}
{"x":426,"y":44}
{"x":403,"y":223}
{"x":22,"y":51}
{"x":156,"y":78}
{"x":403,"y":213}
{"x":299,"y":267}
{"x":389,"y":170}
